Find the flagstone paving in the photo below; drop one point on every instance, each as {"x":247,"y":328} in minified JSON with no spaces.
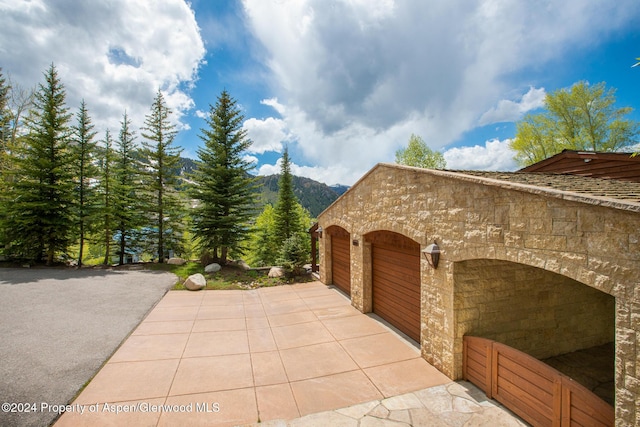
{"x":299,"y":352}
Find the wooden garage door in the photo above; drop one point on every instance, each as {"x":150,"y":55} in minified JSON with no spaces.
{"x":341,"y":262}
{"x":396,"y":281}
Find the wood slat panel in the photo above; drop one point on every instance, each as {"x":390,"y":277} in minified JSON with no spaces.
{"x":581,"y":407}
{"x":538,"y":393}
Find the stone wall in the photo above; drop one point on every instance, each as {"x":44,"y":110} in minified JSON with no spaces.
{"x":592,"y":241}
{"x":535,"y":311}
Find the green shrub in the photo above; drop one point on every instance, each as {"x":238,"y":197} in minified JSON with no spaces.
{"x":294,"y":254}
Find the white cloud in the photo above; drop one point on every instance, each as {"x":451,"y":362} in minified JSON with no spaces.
{"x":201,"y":114}
{"x":115,"y":55}
{"x":250,"y":159}
{"x":494,"y":156}
{"x":329,"y":175}
{"x":354,"y":81}
{"x":510,"y":111}
{"x":267,"y":134}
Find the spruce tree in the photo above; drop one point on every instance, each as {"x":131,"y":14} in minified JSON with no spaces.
{"x":86,"y":172}
{"x":40,"y":220}
{"x":5,"y":120}
{"x":222,"y":184}
{"x":287,"y":220}
{"x":106,"y":193}
{"x":127,"y":206}
{"x":165,"y":207}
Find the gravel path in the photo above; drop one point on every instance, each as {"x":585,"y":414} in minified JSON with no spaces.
{"x":57,"y":328}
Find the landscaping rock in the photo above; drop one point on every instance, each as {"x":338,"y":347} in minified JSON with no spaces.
{"x":177,"y":261}
{"x":195,"y":282}
{"x":243,"y":265}
{"x":212,"y":268}
{"x":276,"y":272}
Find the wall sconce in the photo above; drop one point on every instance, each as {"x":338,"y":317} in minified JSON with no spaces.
{"x":432,"y":254}
{"x":319,"y":231}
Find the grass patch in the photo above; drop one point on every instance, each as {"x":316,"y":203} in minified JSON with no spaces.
{"x":228,"y":277}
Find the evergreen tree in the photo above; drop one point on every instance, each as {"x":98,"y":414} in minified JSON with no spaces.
{"x":40,"y":218}
{"x":5,"y":121}
{"x":262,"y":245}
{"x":106,"y":190}
{"x":126,"y":190}
{"x":287,"y":222}
{"x":223,"y":187}
{"x":86,"y":173}
{"x":165,"y":208}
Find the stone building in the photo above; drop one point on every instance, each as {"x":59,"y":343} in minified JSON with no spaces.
{"x":547,"y":264}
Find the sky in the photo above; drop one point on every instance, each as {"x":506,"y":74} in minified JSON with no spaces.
{"x":341,"y":83}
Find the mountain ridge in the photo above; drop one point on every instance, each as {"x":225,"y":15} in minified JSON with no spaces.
{"x":313,"y":195}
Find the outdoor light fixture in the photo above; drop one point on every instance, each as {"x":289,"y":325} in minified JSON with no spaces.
{"x":319,"y":231}
{"x":432,"y":254}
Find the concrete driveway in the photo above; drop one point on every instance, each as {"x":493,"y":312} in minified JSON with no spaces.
{"x":57,"y":328}
{"x":226,"y":358}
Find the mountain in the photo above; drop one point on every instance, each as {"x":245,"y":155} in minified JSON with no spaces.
{"x":313,"y":195}
{"x":339,"y":188}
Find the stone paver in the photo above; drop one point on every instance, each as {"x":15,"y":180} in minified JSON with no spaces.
{"x":417,"y":411}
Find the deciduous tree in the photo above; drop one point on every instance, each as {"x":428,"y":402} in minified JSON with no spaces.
{"x":418,"y":154}
{"x":583,"y":117}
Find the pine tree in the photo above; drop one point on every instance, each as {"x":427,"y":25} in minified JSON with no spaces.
{"x":126,"y":191}
{"x":106,"y":190}
{"x":86,"y":171}
{"x":287,"y":222}
{"x":40,"y":220}
{"x":223,"y":186}
{"x":5,"y":120}
{"x":165,"y":208}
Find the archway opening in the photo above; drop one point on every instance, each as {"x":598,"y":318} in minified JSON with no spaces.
{"x":553,"y":318}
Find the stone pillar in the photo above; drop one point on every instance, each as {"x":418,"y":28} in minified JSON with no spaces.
{"x":325,"y":258}
{"x":627,"y":367}
{"x":437,"y":318}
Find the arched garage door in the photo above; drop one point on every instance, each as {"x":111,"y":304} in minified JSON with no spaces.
{"x":395,"y":261}
{"x":340,"y":258}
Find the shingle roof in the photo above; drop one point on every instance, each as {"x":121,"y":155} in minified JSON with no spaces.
{"x":621,"y":166}
{"x":594,"y":187}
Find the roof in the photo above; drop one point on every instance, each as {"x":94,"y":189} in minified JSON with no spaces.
{"x":592,"y":187}
{"x":622,"y":166}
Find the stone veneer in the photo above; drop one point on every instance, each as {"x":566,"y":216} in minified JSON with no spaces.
{"x":566,"y":239}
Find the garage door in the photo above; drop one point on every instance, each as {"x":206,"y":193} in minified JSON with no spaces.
{"x":341,"y":261}
{"x":396,"y":281}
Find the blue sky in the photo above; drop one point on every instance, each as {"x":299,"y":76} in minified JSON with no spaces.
{"x":342,"y":83}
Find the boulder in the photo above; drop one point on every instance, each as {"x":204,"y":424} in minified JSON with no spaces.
{"x":243,"y":265}
{"x":177,"y":261}
{"x":276,"y":272}
{"x":195,"y":282}
{"x":212,"y":268}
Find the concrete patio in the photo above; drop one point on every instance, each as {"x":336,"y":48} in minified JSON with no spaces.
{"x":282,"y":353}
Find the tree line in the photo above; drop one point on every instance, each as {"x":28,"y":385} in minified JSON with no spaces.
{"x":63,"y":188}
